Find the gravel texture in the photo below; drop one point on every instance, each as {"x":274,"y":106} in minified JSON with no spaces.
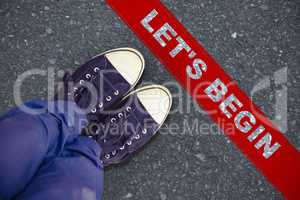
{"x":251,"y":39}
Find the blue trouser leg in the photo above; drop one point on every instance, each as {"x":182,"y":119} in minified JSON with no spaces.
{"x":74,"y":175}
{"x":40,"y":152}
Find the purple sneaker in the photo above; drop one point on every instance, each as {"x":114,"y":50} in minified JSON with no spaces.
{"x":131,"y":124}
{"x":104,"y":80}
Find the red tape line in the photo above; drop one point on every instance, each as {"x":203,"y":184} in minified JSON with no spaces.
{"x":215,"y":91}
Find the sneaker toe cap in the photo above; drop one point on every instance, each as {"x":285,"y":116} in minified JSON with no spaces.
{"x":157,"y":101}
{"x":128,"y":62}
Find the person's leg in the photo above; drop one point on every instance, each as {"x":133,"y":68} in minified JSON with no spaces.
{"x":77,"y":174}
{"x":27,"y":140}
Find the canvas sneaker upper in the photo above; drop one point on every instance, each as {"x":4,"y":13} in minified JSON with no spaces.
{"x":131,"y":124}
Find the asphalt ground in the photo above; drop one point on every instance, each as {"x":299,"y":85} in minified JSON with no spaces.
{"x":254,"y":40}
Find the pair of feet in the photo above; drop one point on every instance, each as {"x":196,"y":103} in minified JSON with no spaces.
{"x":120,"y":119}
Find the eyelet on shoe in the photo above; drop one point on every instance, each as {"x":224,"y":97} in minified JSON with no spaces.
{"x":120,"y":115}
{"x":116,"y":92}
{"x":88,"y":76}
{"x":107,"y":156}
{"x":96,"y":69}
{"x":100,"y":105}
{"x":129,"y":142}
{"x":137,"y":137}
{"x":122,"y":147}
{"x":81,"y":82}
{"x":113,"y":120}
{"x":144,"y":131}
{"x":114,"y":152}
{"x":108,"y":98}
{"x":128,"y":108}
{"x":94,"y":110}
{"x":93,"y":131}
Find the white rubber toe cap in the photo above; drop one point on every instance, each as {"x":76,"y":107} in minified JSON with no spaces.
{"x":157,"y":100}
{"x":128,"y":62}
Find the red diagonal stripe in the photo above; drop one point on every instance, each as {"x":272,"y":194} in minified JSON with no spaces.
{"x":282,"y":165}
